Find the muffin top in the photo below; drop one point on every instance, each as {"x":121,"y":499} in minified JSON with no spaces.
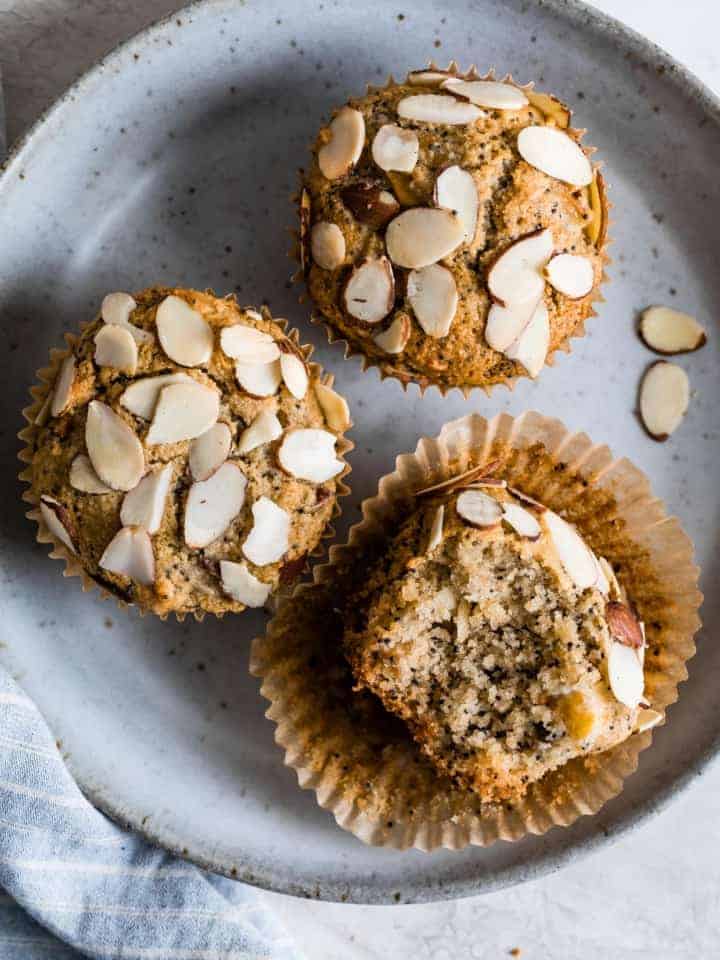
{"x":452,"y":229}
{"x":188,"y":454}
{"x":494,"y":632}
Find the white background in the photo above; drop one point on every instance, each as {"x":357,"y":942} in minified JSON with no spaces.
{"x":654,"y":894}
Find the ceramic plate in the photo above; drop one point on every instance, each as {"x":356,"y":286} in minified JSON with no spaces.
{"x":172,"y":161}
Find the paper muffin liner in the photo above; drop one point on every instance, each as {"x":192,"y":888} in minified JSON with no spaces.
{"x":361,"y":762}
{"x":597,"y":195}
{"x":36,"y":415}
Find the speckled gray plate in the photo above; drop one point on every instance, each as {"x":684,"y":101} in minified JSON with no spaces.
{"x":172,"y":161}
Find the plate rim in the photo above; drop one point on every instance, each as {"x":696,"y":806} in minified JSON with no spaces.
{"x":579,"y":14}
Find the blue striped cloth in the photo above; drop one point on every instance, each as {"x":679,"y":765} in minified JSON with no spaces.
{"x":100,"y":891}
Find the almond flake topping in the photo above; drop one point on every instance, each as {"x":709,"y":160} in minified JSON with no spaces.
{"x":395,"y":148}
{"x":244,"y":343}
{"x":334,"y":407}
{"x":478,"y":509}
{"x":130,"y":554}
{"x":427,"y":78}
{"x":370,"y":292}
{"x":438,"y":108}
{"x":241,"y":585}
{"x":531,"y":347}
{"x":555,"y":153}
{"x":623,"y":624}
{"x":115,"y":452}
{"x":516,"y":276}
{"x":264,"y":429}
{"x":294,"y":373}
{"x":327,"y":245}
{"x":57,"y":520}
{"x":213,"y":504}
{"x":487,"y":93}
{"x":184,"y":335}
{"x":269,"y":539}
{"x":369,"y":203}
{"x":423,"y":235}
{"x":347,"y":138}
{"x":309,"y":454}
{"x":521,"y":520}
{"x":145,"y":505}
{"x":669,"y":331}
{"x":183,"y":411}
{"x":141,"y":397}
{"x":209,"y":451}
{"x":84,"y":478}
{"x":436,"y":529}
{"x":571,"y":275}
{"x":625,"y":674}
{"x":116,"y":347}
{"x":455,"y":189}
{"x":116,"y":309}
{"x":664,"y":398}
{"x":395,"y":338}
{"x":505,"y":324}
{"x":577,"y":559}
{"x":63,"y":386}
{"x":259,"y":379}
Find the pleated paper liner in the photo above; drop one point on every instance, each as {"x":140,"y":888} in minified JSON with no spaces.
{"x":36,"y":414}
{"x":360,"y":761}
{"x":548,"y":107}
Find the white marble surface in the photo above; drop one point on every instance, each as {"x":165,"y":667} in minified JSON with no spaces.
{"x":654,"y":894}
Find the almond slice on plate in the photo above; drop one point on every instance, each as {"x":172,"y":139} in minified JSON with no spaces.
{"x":115,"y":452}
{"x":571,"y":274}
{"x":183,"y":411}
{"x":84,"y":478}
{"x":395,"y":338}
{"x":505,"y":324}
{"x":141,"y":397}
{"x":334,"y":407}
{"x":269,"y":539}
{"x":116,"y":309}
{"x":63,"y":386}
{"x":623,"y":625}
{"x":436,"y":529}
{"x":309,"y":454}
{"x":213,"y":504}
{"x":209,"y":451}
{"x":487,"y":93}
{"x":241,"y":342}
{"x":327,"y":245}
{"x":145,"y":505}
{"x":423,"y":235}
{"x":669,"y":331}
{"x":370,"y":292}
{"x":395,"y":148}
{"x":433,"y":295}
{"x":370,"y":203}
{"x":259,"y":379}
{"x":625,"y":674}
{"x":521,"y":520}
{"x":516,"y":276}
{"x":455,"y":189}
{"x":556,"y":153}
{"x":438,"y":108}
{"x":116,"y":347}
{"x":264,"y":429}
{"x":427,"y":78}
{"x":531,"y":347}
{"x":295,"y":375}
{"x":664,"y":398}
{"x":57,"y":520}
{"x":241,"y":585}
{"x":184,"y":335}
{"x":577,"y":559}
{"x":479,"y":509}
{"x":342,"y":151}
{"x":130,"y":554}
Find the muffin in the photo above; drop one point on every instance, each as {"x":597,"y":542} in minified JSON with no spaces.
{"x":187,"y":456}
{"x":490,"y":628}
{"x":453,"y":229}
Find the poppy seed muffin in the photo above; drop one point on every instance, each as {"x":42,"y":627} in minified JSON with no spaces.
{"x":494,"y":632}
{"x":452,"y":229}
{"x":188,"y":456}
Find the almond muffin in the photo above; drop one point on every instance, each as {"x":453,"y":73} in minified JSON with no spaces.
{"x":187,"y":456}
{"x":493,"y":631}
{"x":453,"y":229}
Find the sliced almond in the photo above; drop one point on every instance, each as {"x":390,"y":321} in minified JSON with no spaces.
{"x":370,"y":203}
{"x":531,"y":347}
{"x":334,"y":407}
{"x":534,"y":504}
{"x":241,"y":585}
{"x":555,"y":153}
{"x":241,"y":342}
{"x":116,"y":309}
{"x":422,"y":235}
{"x":327,"y":244}
{"x":395,"y":338}
{"x":130,"y":554}
{"x":521,"y":520}
{"x":309,"y":454}
{"x":455,"y":189}
{"x":115,"y":452}
{"x":264,"y":429}
{"x":648,"y":719}
{"x":43,"y":414}
{"x":478,"y":474}
{"x":145,"y":505}
{"x":516,"y":276}
{"x":395,"y":148}
{"x":183,"y":411}
{"x":63,"y":386}
{"x":664,"y":398}
{"x":575,"y":556}
{"x":259,"y":379}
{"x":427,"y":78}
{"x":370,"y":292}
{"x":213,"y":504}
{"x":294,"y":374}
{"x":571,"y":274}
{"x":209,"y":451}
{"x":116,"y":347}
{"x":347,"y":138}
{"x":479,"y":509}
{"x":625,"y":675}
{"x":436,"y":529}
{"x":433,"y":295}
{"x":57,"y":520}
{"x":184,"y":335}
{"x":84,"y":478}
{"x":669,"y":331}
{"x":623,"y":624}
{"x":505,"y":324}
{"x":438,"y":108}
{"x":608,"y":582}
{"x":269,"y":539}
{"x":141,"y":397}
{"x":487,"y":93}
